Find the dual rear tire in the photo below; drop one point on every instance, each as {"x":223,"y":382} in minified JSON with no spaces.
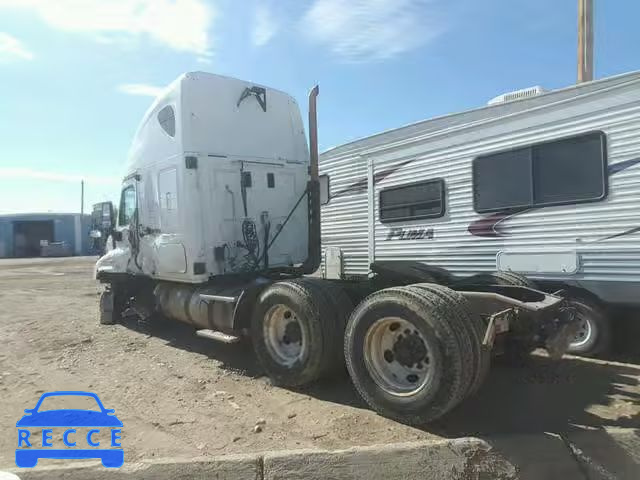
{"x":413,"y":352}
{"x":297,"y":330}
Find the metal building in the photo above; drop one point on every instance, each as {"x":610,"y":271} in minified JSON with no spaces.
{"x":44,"y":234}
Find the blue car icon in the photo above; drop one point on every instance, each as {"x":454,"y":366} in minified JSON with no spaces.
{"x":68,"y":418}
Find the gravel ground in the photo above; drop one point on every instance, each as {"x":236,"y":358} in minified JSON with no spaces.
{"x":180,"y":395}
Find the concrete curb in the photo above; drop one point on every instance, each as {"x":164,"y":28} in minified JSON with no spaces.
{"x":446,"y":459}
{"x":607,"y":454}
{"x":583,"y":455}
{"x":240,"y":467}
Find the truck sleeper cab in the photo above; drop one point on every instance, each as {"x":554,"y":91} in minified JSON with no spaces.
{"x":219,"y":222}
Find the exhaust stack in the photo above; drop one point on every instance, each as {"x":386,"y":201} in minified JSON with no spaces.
{"x":313,"y":133}
{"x":313,"y":188}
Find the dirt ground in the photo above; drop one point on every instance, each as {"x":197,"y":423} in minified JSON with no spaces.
{"x":180,"y":395}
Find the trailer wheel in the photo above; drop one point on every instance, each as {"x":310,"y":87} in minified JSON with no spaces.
{"x":297,"y":330}
{"x":405,"y":352}
{"x":594,"y":335}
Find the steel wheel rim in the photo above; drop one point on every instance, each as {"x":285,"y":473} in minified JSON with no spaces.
{"x":284,"y":336}
{"x":584,"y":333}
{"x":398,"y":357}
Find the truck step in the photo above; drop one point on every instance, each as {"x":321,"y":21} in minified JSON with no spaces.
{"x":217,"y":336}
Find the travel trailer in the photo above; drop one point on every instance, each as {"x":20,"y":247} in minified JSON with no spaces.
{"x":541,"y":183}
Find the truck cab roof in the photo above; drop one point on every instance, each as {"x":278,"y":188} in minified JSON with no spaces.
{"x":205,"y":113}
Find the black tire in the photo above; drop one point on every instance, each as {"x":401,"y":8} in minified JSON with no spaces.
{"x":475,"y":330}
{"x":598,"y":336}
{"x":469,"y":355}
{"x":515,"y":279}
{"x":321,"y":309}
{"x":440,"y":322}
{"x":341,"y":304}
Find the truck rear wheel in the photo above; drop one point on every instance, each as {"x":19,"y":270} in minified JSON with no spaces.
{"x":475,"y":330}
{"x":297,"y":330}
{"x":409,"y":354}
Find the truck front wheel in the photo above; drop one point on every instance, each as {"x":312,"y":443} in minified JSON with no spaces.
{"x":112,"y":304}
{"x":297,"y":330}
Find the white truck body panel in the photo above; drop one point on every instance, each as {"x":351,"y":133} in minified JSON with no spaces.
{"x":190,"y":204}
{"x":593,"y":245}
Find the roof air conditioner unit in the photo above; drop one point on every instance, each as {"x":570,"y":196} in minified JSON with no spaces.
{"x":517,"y":95}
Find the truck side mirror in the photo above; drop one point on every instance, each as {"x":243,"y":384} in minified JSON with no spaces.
{"x":324,"y":189}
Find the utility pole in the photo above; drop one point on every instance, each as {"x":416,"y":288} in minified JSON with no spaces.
{"x":81,"y":198}
{"x":585,"y":40}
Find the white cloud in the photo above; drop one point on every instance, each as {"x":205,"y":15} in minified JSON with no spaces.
{"x":141,"y":89}
{"x":16,"y":173}
{"x":264,"y":25}
{"x":363,"y":30}
{"x":182,"y":25}
{"x":204,"y":60}
{"x":11,"y":47}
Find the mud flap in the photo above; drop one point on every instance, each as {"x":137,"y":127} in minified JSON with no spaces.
{"x":498,"y":323}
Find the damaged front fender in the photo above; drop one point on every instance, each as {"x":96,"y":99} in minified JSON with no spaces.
{"x":115,"y":261}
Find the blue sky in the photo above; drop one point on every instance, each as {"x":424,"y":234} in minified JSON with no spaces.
{"x":77,"y":75}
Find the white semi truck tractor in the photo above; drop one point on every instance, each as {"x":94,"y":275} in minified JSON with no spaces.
{"x":219,"y":224}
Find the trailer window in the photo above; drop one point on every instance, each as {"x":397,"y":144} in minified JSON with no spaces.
{"x":412,"y":202}
{"x":127,"y":206}
{"x":567,"y":171}
{"x":167,"y":120}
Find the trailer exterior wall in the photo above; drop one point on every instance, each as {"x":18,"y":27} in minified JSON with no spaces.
{"x":603,"y":237}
